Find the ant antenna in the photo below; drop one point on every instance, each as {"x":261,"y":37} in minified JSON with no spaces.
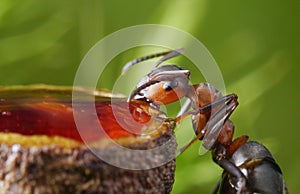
{"x":170,"y":55}
{"x":167,"y":55}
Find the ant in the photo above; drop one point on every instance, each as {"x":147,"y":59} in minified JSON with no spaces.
{"x":249,"y":167}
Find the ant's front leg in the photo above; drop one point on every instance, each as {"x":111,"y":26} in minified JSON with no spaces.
{"x":238,"y":182}
{"x":214,"y":126}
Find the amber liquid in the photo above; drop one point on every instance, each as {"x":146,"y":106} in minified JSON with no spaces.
{"x":55,"y":117}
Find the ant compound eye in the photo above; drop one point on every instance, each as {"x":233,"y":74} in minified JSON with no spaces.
{"x":170,"y":85}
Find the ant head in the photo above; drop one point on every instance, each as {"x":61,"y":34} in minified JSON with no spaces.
{"x":164,"y":84}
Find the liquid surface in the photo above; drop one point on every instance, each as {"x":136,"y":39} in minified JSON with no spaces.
{"x":44,"y":112}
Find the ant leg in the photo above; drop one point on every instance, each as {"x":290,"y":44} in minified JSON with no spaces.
{"x":185,"y":107}
{"x":215,"y":124}
{"x":233,"y":170}
{"x":224,"y":100}
{"x":214,"y":121}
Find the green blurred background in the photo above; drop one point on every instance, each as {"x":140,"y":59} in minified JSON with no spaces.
{"x":256,"y":45}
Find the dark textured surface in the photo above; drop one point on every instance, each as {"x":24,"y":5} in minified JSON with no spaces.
{"x":54,"y":169}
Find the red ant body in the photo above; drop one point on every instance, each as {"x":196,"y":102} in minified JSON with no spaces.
{"x":243,"y":162}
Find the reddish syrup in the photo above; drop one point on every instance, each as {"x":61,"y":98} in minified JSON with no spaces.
{"x":53,"y":117}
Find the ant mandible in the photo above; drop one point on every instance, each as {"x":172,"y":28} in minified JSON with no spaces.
{"x":246,"y":164}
